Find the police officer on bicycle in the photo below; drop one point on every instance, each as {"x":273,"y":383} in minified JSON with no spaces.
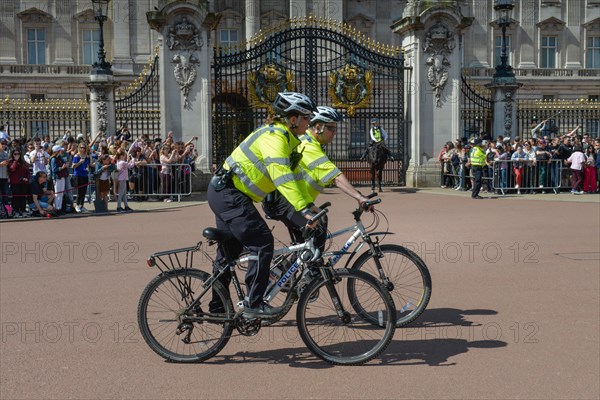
{"x":315,"y":172}
{"x":259,"y":165}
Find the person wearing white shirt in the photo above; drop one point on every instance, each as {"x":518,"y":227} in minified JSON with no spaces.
{"x":39,"y":157}
{"x":3,"y":134}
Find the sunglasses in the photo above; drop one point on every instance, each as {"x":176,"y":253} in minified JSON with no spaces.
{"x":331,"y":128}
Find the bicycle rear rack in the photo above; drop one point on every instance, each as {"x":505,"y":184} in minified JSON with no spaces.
{"x":171,"y":260}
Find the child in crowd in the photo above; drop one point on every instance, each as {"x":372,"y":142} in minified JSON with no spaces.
{"x":123,"y":167}
{"x":59,"y":171}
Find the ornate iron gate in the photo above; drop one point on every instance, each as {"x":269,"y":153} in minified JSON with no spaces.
{"x":139,"y":106}
{"x":333,"y":64}
{"x":477,"y":109}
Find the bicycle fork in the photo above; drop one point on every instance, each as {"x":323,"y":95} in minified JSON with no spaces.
{"x":330,"y":281}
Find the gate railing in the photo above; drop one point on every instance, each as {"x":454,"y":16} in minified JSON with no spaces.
{"x":563,"y":116}
{"x":138,"y":105}
{"x":331,"y":62}
{"x":25,"y":118}
{"x":477,"y":108}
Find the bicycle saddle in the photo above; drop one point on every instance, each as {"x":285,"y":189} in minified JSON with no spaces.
{"x":218,"y":235}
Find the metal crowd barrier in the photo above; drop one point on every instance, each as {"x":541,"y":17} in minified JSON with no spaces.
{"x":529,"y":176}
{"x":148,"y":181}
{"x":503,"y":175}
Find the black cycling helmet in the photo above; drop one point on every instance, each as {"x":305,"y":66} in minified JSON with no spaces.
{"x":287,"y":103}
{"x":326,"y":114}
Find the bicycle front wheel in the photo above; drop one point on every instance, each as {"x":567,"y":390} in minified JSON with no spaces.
{"x":328,"y":322}
{"x":408,"y":280}
{"x":163,"y":324}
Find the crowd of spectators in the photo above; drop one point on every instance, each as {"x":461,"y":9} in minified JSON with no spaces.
{"x":536,"y":165}
{"x":39,"y":177}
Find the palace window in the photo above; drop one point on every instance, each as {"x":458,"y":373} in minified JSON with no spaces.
{"x":548,"y":52}
{"x":91,"y":44}
{"x":593,"y":52}
{"x":36,"y":46}
{"x":228,"y":37}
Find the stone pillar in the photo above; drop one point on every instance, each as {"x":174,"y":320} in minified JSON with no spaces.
{"x":8,"y":33}
{"x":429,"y":32}
{"x":252,"y":18}
{"x":185,"y":76}
{"x":102,"y":103}
{"x":505,"y":110}
{"x":121,"y":59}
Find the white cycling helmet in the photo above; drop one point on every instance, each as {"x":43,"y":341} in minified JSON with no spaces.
{"x":326,"y":114}
{"x":287,"y":103}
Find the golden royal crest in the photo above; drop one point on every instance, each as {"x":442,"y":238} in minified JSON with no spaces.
{"x":350,"y":87}
{"x":265,"y":83}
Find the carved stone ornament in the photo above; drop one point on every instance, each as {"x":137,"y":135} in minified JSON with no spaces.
{"x":185,"y":75}
{"x":102,"y":110}
{"x":351,"y":87}
{"x":508,"y":111}
{"x":184,"y":36}
{"x":439,"y":43}
{"x":264,"y":84}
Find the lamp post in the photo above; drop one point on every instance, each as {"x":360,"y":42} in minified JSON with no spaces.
{"x":101,"y":66}
{"x":504,"y":7}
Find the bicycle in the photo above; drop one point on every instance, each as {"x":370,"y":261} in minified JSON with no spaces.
{"x":333,"y":324}
{"x":402,"y":272}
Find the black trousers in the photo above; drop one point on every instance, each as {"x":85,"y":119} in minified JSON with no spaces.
{"x":235,"y":212}
{"x":478,"y":177}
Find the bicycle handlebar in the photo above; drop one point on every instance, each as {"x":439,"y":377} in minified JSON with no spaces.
{"x":318,"y":216}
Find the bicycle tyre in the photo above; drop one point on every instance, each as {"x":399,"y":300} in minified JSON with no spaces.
{"x":316,"y":314}
{"x":409,"y":277}
{"x":158,"y":327}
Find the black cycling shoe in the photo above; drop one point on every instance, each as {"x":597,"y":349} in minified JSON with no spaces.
{"x":262,"y":311}
{"x":216,"y":307}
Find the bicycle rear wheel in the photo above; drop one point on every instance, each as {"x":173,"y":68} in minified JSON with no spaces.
{"x":409,"y":280}
{"x":160,"y":315}
{"x":345,"y":339}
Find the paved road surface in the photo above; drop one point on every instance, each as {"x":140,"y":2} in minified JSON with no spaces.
{"x":514,"y":313}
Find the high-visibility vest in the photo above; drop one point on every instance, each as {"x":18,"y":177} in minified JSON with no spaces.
{"x":261,"y":164}
{"x":477,"y":156}
{"x":316,"y":170}
{"x":377,"y":134}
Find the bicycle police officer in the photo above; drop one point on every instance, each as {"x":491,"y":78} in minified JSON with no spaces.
{"x":259,"y":165}
{"x":315,"y":172}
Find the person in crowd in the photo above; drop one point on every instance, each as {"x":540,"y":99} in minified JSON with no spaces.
{"x":447,"y":165}
{"x":501,"y":156}
{"x":576,"y":161}
{"x":39,"y":157}
{"x":459,"y":170}
{"x":3,"y":134}
{"x":104,"y":167}
{"x":490,"y":156}
{"x":519,"y":158}
{"x":597,"y":152}
{"x":538,"y":129}
{"x":59,"y":171}
{"x":123,"y":167}
{"x":167,"y":157}
{"x":42,"y":197}
{"x":81,"y":164}
{"x":529,"y":177}
{"x":589,"y":171}
{"x":19,"y":179}
{"x":4,"y":161}
{"x":542,"y":157}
